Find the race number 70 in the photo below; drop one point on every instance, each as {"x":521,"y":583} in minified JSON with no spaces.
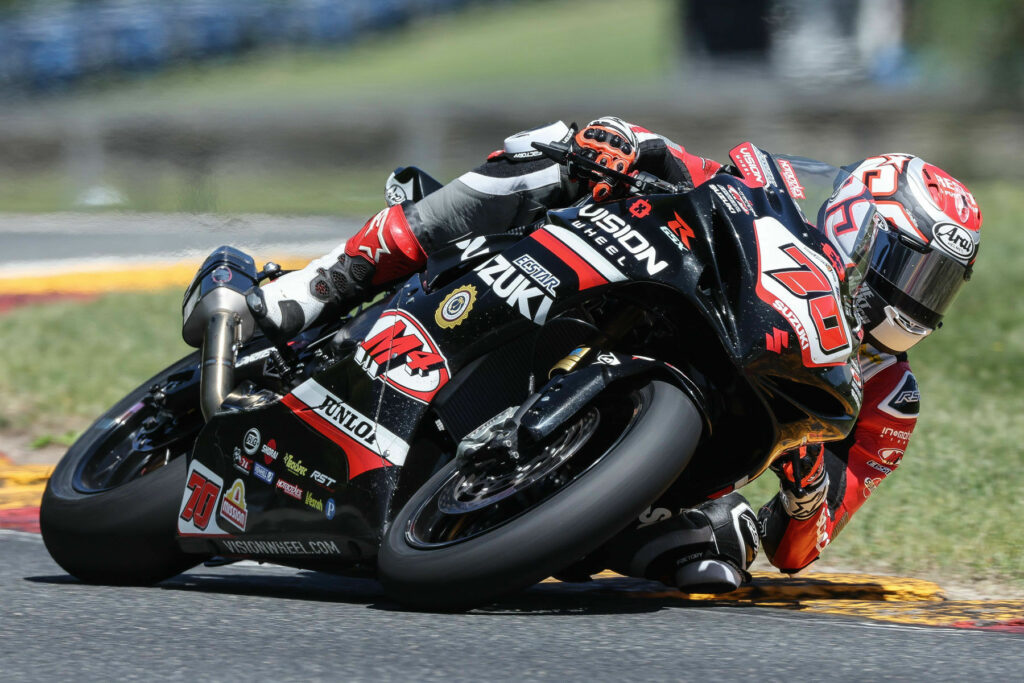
{"x":201,"y":502}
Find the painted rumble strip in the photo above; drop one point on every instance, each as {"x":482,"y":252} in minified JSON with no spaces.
{"x":112,"y":276}
{"x":21,"y":488}
{"x":888,"y":599}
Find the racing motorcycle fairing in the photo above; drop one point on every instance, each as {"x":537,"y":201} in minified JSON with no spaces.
{"x":726,"y":286}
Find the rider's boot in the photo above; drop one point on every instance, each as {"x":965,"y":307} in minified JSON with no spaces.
{"x":384,"y":250}
{"x":704,"y":550}
{"x":722,"y":567}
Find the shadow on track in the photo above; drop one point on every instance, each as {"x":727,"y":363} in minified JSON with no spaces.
{"x":603,"y":597}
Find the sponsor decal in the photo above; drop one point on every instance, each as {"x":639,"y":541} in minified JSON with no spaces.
{"x":269,"y":451}
{"x":870,"y":484}
{"x":607,"y":359}
{"x":376,"y":223}
{"x":541,"y":275}
{"x":290,"y":489}
{"x":796,"y":190}
{"x":330,"y":509}
{"x":679,"y":230}
{"x":740,"y":199}
{"x":247,"y":547}
{"x":367,"y":445}
{"x":400,"y":352}
{"x":199,"y":501}
{"x":653,"y":515}
{"x":891,"y":456}
{"x":527,"y":155}
{"x":728,"y":199}
{"x":903,"y":402}
{"x":821,"y":529}
{"x":881,"y":468}
{"x":777,"y":340}
{"x":233,"y":507}
{"x":313,"y":502}
{"x":753,"y":164}
{"x":394,"y":194}
{"x":627,"y":239}
{"x":294,"y":465}
{"x":954,"y":239}
{"x":897,"y":434}
{"x":251,"y":441}
{"x":473,"y":247}
{"x":455,"y":307}
{"x":803,"y":287}
{"x":264,"y":473}
{"x":241,"y":463}
{"x":515,"y":288}
{"x":322,"y":479}
{"x":640,"y":208}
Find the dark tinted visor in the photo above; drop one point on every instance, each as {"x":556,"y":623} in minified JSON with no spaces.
{"x":926,"y":277}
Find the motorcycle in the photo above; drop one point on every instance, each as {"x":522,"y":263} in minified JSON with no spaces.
{"x":498,"y":416}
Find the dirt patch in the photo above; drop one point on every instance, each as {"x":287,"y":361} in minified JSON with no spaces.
{"x":9,"y":302}
{"x":16,"y":448}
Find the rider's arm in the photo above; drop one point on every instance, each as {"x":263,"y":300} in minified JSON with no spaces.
{"x":671,"y":161}
{"x":854,"y":467}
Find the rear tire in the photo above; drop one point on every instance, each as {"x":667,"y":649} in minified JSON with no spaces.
{"x":124,"y":534}
{"x":634,"y":470}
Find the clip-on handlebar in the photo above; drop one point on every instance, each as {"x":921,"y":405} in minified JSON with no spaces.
{"x":581,"y":167}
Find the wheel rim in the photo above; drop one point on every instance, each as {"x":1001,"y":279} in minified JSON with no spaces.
{"x":471,"y":503}
{"x":139,"y":441}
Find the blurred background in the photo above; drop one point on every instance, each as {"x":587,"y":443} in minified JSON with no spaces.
{"x":283,"y":105}
{"x":138,"y":128}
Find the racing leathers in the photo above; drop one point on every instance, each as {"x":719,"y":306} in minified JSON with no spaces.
{"x":793,"y":535}
{"x":708,"y":548}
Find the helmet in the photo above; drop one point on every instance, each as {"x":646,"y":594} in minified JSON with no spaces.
{"x":923,"y":253}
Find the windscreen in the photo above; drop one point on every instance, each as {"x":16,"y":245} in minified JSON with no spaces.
{"x":836,"y":203}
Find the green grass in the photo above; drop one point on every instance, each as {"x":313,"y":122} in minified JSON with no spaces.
{"x":952,"y":508}
{"x":293,"y":191}
{"x":529,"y":49}
{"x":65,"y":363}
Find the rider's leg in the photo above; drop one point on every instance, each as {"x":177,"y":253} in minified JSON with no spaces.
{"x":383,"y":251}
{"x":704,"y":550}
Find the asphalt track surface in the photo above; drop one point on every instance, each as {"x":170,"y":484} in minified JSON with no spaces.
{"x":271,"y":623}
{"x":46,"y":240}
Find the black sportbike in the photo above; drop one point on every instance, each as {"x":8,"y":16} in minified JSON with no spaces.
{"x":498,"y":416}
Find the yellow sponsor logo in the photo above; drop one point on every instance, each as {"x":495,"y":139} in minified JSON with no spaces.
{"x":455,"y":307}
{"x":295,"y":465}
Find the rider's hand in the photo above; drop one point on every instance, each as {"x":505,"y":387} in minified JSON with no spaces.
{"x":803,"y":481}
{"x":609,"y":142}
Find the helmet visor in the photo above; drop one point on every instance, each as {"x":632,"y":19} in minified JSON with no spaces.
{"x":918,"y":280}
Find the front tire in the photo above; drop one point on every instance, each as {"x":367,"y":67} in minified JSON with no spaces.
{"x":472,"y":563}
{"x":109,"y":511}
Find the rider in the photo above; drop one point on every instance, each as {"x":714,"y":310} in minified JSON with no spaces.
{"x":919,"y":263}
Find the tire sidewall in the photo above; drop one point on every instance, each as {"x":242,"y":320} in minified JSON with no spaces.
{"x":124,"y":535}
{"x":558,"y":531}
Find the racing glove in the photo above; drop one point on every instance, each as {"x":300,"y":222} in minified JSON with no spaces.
{"x":803,"y":481}
{"x":609,"y":142}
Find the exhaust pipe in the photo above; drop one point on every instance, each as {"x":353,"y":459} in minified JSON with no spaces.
{"x":218,"y":372}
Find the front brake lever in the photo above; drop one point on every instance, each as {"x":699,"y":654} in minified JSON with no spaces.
{"x":644,"y":183}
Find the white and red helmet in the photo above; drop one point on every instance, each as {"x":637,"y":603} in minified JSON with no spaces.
{"x":925,"y":252}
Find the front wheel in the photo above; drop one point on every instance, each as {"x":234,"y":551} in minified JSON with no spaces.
{"x":109,"y":511}
{"x":476,"y":531}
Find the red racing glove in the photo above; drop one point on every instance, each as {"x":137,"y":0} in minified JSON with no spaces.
{"x":610,"y":142}
{"x":803,"y":481}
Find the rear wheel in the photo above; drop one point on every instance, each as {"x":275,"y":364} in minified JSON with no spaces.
{"x":109,"y":511}
{"x":481,"y":529}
